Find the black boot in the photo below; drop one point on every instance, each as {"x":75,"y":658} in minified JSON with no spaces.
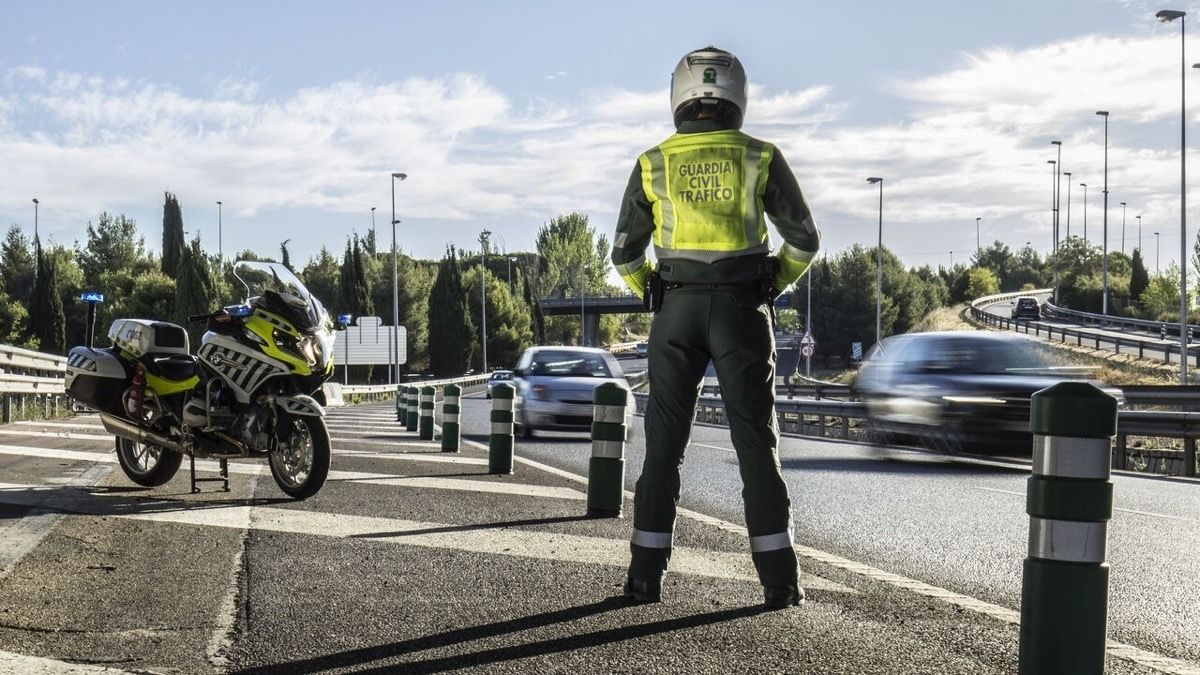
{"x":641,"y":591}
{"x":781,"y":597}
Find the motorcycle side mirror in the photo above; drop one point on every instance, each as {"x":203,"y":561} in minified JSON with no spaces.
{"x":343,"y":322}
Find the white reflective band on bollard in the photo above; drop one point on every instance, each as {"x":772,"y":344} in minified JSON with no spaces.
{"x":449,"y":418}
{"x":505,"y":428}
{"x":771,"y":542}
{"x":1071,"y":457}
{"x":609,"y":449}
{"x":652,"y":539}
{"x":614,"y":414}
{"x":1068,"y":540}
{"x":502,"y":403}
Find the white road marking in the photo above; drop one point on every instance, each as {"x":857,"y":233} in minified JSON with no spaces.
{"x":225,"y":625}
{"x":1115,"y":508}
{"x":711,"y":447}
{"x":483,"y":539}
{"x":1120,"y":650}
{"x":36,"y":665}
{"x":460,"y":484}
{"x":25,"y":534}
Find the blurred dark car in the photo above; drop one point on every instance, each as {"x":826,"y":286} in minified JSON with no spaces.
{"x":498,"y":377}
{"x":642,"y":349}
{"x":1026,"y":308}
{"x":555,"y":386}
{"x":957,"y":391}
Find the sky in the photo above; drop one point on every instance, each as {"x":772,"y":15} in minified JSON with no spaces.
{"x":506,"y":114}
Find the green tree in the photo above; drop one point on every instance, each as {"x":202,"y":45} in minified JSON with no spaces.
{"x":194,"y":289}
{"x":172,"y":236}
{"x":112,"y":244}
{"x":47,"y":322}
{"x":998,"y":258}
{"x":574,"y":259}
{"x":509,"y":324}
{"x":17,"y":265}
{"x":1160,"y":299}
{"x":321,"y":276}
{"x":1139,"y":279}
{"x":847,"y":312}
{"x":982,"y":281}
{"x":451,"y":330}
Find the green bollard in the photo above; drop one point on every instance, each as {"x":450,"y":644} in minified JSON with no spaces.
{"x":500,"y":443}
{"x":606,"y":470}
{"x":401,"y":403}
{"x":425,"y":423}
{"x":450,"y":411}
{"x":1064,"y":592}
{"x":411,"y":412}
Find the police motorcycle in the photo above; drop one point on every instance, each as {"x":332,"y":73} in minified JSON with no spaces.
{"x":253,"y":389}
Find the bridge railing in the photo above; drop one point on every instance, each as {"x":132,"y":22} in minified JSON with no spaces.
{"x":1145,"y":347}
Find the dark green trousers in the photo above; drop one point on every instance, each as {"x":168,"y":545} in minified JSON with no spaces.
{"x":731,"y":326}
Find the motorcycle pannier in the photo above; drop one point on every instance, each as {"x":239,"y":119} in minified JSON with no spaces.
{"x":97,"y":378}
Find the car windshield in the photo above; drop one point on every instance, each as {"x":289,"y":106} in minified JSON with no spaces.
{"x":502,"y":376}
{"x":569,"y":364}
{"x":980,"y":356}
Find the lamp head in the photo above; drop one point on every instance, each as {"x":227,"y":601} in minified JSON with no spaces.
{"x":1102,"y":113}
{"x":35,"y":200}
{"x":1055,"y":142}
{"x":1122,"y":203}
{"x":1167,"y":15}
{"x":399,"y":175}
{"x":1051,"y":161}
{"x":1067,"y":174}
{"x":1083,"y":185}
{"x":874,"y":179}
{"x":218,"y":203}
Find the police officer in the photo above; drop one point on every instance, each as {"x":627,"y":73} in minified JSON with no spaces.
{"x":700,"y":196}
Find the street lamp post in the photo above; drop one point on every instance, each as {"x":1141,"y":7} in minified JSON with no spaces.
{"x":220,"y":238}
{"x":1053,"y":202}
{"x":582,"y":313}
{"x":1067,"y":234}
{"x":1167,"y":15}
{"x":1104,"y":246}
{"x":35,"y":235}
{"x":1157,"y":254}
{"x":878,"y":263}
{"x":978,"y":250}
{"x":1084,"y":186}
{"x":395,"y":346}
{"x":483,"y":245}
{"x":511,"y":260}
{"x":1139,"y":219}
{"x":1122,"y":228}
{"x":1057,"y":191}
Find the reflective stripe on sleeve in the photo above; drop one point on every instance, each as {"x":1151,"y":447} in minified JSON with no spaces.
{"x":652,"y":539}
{"x":771,"y":542}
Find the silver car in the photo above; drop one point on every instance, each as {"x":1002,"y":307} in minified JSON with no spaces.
{"x":498,"y":377}
{"x":555,"y":387}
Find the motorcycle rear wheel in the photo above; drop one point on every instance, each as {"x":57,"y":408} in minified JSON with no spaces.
{"x":147,"y":465}
{"x":301,"y":466}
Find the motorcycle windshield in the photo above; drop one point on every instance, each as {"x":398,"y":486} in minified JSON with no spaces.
{"x":275,"y":287}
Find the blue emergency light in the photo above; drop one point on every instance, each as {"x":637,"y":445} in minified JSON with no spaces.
{"x":239,"y":310}
{"x":344,"y":319}
{"x":92,"y":296}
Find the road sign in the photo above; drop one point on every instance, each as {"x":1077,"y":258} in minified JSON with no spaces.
{"x":369,"y":342}
{"x":808,"y":341}
{"x":856,"y":351}
{"x":806,"y":350}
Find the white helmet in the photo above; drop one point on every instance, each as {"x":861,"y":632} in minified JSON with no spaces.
{"x":709,"y":75}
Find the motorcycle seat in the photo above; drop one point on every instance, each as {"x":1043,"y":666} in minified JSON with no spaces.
{"x":174,"y":367}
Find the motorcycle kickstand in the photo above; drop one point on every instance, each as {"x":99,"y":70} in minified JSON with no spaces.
{"x":224,"y":477}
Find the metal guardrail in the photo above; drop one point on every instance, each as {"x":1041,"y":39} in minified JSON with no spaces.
{"x":833,"y":419}
{"x":1088,"y":318}
{"x":31,"y":383}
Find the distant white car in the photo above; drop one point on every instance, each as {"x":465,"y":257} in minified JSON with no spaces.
{"x":555,"y":387}
{"x":498,"y":377}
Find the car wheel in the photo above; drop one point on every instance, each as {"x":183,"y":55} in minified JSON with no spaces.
{"x":526,"y":429}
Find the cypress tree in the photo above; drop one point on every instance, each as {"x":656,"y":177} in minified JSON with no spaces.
{"x":346,"y":285}
{"x":1139,"y":279}
{"x":47,"y":321}
{"x":194,"y":292}
{"x":451,"y":332}
{"x":363,"y":304}
{"x":172,"y":238}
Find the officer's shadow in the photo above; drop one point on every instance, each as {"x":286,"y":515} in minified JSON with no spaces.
{"x":360,"y":659}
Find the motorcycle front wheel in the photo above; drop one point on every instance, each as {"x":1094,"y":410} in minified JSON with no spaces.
{"x":147,"y":465}
{"x":301,"y":464}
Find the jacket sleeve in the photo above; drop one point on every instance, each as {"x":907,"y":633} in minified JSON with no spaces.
{"x":635,"y":227}
{"x":788,"y":211}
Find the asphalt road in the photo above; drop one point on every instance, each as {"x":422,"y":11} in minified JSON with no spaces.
{"x":411,"y":560}
{"x":958,"y":525}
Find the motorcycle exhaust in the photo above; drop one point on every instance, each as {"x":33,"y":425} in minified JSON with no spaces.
{"x":131,"y":431}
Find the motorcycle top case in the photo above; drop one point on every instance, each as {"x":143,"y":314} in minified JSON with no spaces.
{"x":97,"y":378}
{"x":142,"y":336}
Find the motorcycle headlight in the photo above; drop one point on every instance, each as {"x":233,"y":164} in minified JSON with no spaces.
{"x":307,"y":346}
